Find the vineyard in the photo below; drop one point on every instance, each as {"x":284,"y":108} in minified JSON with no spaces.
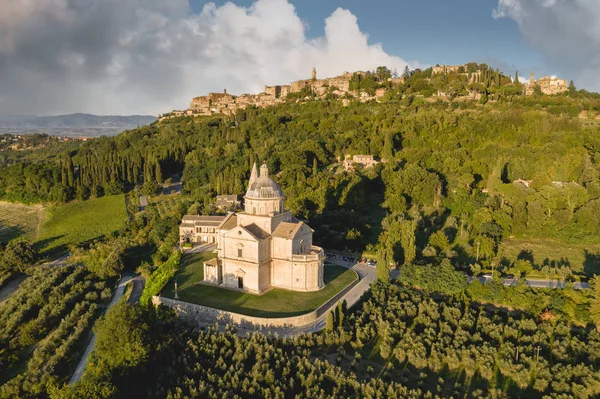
{"x":43,"y":326}
{"x":19,"y":220}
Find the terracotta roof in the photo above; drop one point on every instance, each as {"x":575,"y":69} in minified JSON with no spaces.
{"x":287,"y":230}
{"x":230,"y":222}
{"x":231,"y":198}
{"x":256,"y":231}
{"x":202,"y":218}
{"x":193,"y":220}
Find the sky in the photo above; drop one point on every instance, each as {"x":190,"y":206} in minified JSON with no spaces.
{"x":153,"y":56}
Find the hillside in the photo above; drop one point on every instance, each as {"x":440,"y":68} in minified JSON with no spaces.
{"x":465,"y":177}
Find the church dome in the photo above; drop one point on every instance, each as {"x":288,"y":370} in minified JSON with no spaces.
{"x":264,"y":188}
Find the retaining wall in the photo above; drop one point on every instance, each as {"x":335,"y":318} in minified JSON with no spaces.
{"x":205,"y":314}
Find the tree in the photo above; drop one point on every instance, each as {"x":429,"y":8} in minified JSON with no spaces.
{"x":341,"y":314}
{"x":439,"y":240}
{"x":104,"y":259}
{"x":122,"y":337}
{"x":406,"y":73}
{"x":485,"y":247}
{"x":384,"y":258}
{"x":388,"y":147}
{"x":329,"y":321}
{"x":572,"y":88}
{"x":408,"y":240}
{"x":158,"y":173}
{"x":595,"y":303}
{"x":18,"y":255}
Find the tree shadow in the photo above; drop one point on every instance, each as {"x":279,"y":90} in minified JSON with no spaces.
{"x":526,"y":254}
{"x":41,"y":244}
{"x":591,"y":264}
{"x":8,"y":233}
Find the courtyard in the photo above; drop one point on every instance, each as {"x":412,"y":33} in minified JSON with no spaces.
{"x":274,"y":303}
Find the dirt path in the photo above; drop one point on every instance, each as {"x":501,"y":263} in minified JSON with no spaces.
{"x":11,"y":287}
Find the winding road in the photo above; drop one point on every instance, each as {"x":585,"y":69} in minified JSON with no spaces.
{"x":84,"y":359}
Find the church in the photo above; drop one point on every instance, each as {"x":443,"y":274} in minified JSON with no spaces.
{"x":262,"y":247}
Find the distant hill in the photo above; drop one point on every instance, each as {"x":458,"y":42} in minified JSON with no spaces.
{"x":73,"y":124}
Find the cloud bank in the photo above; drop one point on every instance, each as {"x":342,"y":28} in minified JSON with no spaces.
{"x":567,"y":32}
{"x":150,"y":56}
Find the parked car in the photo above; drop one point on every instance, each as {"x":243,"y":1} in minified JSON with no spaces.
{"x":371,"y":264}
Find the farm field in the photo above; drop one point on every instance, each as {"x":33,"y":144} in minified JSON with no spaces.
{"x":18,"y":220}
{"x":581,"y":258}
{"x":274,"y":303}
{"x":79,"y":222}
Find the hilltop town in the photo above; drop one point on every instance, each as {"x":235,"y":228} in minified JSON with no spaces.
{"x":348,"y":86}
{"x":228,"y":104}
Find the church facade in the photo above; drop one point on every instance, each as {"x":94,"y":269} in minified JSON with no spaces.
{"x":264,"y":246}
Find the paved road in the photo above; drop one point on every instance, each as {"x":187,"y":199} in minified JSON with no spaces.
{"x":201,"y":248}
{"x":84,"y":359}
{"x":138,"y":286}
{"x":174,"y":187}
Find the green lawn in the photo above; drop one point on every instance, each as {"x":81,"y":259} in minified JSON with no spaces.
{"x":582,"y":258}
{"x":275,"y":303}
{"x":18,"y":220}
{"x":79,"y":222}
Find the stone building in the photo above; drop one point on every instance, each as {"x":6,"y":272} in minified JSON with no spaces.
{"x":548,"y":85}
{"x":446,"y":69}
{"x":199,"y":229}
{"x":365,"y":161}
{"x":264,"y":246}
{"x":225,"y":202}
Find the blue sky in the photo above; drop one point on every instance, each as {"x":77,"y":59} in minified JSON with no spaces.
{"x":429,"y":31}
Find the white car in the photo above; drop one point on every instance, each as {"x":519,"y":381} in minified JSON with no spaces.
{"x":371,"y":264}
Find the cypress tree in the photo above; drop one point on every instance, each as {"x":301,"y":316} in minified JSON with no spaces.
{"x":329,"y":321}
{"x":388,"y":147}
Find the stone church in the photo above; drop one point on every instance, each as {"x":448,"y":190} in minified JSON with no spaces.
{"x":262,"y":247}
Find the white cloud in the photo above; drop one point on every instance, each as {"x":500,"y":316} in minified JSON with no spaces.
{"x":150,"y":56}
{"x":567,"y":33}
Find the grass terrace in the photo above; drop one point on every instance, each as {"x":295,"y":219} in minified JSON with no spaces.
{"x":79,"y":222}
{"x":275,"y":303}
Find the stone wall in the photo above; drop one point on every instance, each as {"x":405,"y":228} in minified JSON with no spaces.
{"x":204,"y":314}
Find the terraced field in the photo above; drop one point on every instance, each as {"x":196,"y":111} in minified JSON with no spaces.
{"x":19,"y":220}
